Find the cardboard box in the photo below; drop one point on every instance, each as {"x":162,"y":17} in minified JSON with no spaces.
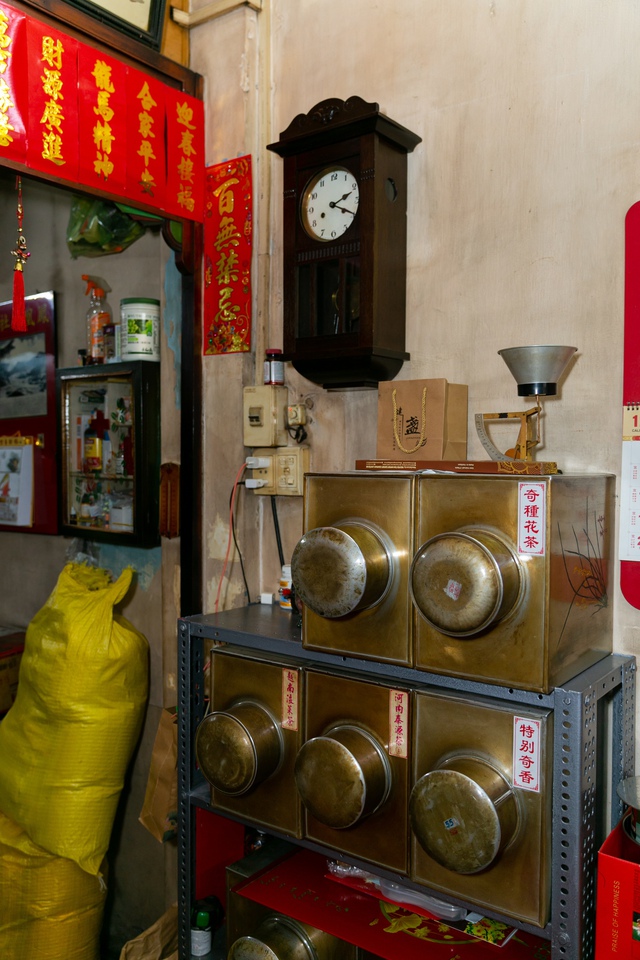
{"x":618,"y":898}
{"x":422,"y":418}
{"x":11,"y":648}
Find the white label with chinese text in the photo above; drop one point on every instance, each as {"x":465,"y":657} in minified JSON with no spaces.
{"x":289,"y":699}
{"x":532,"y":518}
{"x":398,"y":723}
{"x":526,"y":754}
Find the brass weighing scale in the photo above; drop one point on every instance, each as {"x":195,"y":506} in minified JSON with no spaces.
{"x":536,"y":370}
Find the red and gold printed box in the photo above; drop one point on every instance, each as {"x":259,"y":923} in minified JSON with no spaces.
{"x":298,"y":887}
{"x":618,"y":898}
{"x":11,"y":648}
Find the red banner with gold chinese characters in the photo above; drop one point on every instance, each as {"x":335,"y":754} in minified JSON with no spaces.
{"x":227,"y":257}
{"x":185,"y":154}
{"x":53,"y":112}
{"x":70,"y":111}
{"x":13,"y":84}
{"x":146,"y":169}
{"x":102,"y":120}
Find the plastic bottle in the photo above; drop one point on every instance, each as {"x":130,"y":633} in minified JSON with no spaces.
{"x":98,"y":316}
{"x":92,"y":448}
{"x":284,"y":591}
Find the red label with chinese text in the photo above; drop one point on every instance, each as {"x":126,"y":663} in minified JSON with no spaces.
{"x":102,"y":120}
{"x":13,"y":84}
{"x":146,"y":157}
{"x":227,"y":257}
{"x":185,"y":155}
{"x":52,"y":144}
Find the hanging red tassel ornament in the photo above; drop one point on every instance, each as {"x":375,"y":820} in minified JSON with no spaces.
{"x":18,"y":317}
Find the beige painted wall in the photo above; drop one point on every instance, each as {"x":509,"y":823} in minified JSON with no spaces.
{"x":530,"y":158}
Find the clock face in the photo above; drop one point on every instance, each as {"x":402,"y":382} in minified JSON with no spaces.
{"x":329,"y":203}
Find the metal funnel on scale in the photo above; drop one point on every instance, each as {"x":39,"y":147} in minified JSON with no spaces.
{"x":536,"y":369}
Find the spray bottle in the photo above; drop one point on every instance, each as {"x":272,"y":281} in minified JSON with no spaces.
{"x":99,"y":315}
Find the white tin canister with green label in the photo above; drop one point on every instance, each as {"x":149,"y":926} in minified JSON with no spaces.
{"x":140,"y":328}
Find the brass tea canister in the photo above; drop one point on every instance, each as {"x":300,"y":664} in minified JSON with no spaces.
{"x":464,"y":814}
{"x":464,"y":581}
{"x":342,"y":569}
{"x":343,"y":776}
{"x":239,"y":747}
{"x":283,"y":938}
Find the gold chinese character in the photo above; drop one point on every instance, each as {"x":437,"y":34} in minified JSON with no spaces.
{"x":5,"y":136}
{"x":52,"y":52}
{"x":147,"y":182}
{"x":186,"y":143}
{"x":103,"y":137}
{"x":103,"y":165}
{"x":103,"y":108}
{"x":102,"y":75}
{"x":52,"y":116}
{"x":5,"y":97}
{"x":146,"y":152}
{"x":185,"y":199}
{"x":227,"y":267}
{"x":5,"y":42}
{"x":52,"y":84}
{"x":227,"y":234}
{"x":145,"y":97}
{"x":225,"y":196}
{"x":185,"y":170}
{"x":52,"y":148}
{"x":146,"y":125}
{"x":185,"y":115}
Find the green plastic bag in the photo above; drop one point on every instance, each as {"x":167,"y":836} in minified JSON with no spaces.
{"x":97,"y":228}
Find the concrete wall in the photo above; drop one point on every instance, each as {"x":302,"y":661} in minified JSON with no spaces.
{"x":529,"y":161}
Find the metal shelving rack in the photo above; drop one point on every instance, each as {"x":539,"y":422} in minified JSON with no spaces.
{"x":594,"y":749}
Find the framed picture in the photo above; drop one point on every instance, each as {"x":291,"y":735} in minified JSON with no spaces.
{"x":28,"y":416}
{"x":141,"y":19}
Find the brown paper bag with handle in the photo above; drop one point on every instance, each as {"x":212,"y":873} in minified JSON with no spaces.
{"x":160,"y":807}
{"x":422,"y":419}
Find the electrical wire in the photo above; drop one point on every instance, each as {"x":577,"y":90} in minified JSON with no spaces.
{"x":276,"y":526}
{"x":233,"y":531}
{"x":230,"y":538}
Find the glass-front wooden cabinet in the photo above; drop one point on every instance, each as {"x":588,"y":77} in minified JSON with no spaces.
{"x":109,"y":432}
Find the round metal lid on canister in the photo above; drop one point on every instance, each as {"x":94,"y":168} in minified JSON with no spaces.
{"x":465,"y":581}
{"x":464,"y":814}
{"x":239,"y":747}
{"x":283,"y":938}
{"x":342,"y":569}
{"x":343,"y":776}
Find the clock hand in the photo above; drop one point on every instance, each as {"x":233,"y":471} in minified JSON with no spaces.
{"x":334,"y":203}
{"x":343,"y":209}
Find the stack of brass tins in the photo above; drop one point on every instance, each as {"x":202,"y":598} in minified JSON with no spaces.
{"x":343,"y":776}
{"x":629,"y":793}
{"x":464,"y":814}
{"x":239,"y":747}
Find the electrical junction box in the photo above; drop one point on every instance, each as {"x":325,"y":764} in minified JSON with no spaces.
{"x":264,"y":416}
{"x":279,"y":472}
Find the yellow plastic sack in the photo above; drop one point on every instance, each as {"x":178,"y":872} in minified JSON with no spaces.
{"x":67,"y":740}
{"x":49,"y":908}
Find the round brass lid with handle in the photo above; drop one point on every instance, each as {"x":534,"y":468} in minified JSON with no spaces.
{"x":239,"y":747}
{"x":464,"y":814}
{"x":343,"y":776}
{"x":282,"y":938}
{"x":341,"y":569}
{"x":465,"y":581}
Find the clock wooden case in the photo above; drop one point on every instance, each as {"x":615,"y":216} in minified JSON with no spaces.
{"x":345,"y":242}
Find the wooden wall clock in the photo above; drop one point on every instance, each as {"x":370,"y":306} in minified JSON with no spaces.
{"x":345,"y":242}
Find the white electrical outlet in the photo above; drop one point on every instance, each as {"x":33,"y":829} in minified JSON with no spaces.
{"x":285,"y":475}
{"x":262,"y":478}
{"x":264,"y":413}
